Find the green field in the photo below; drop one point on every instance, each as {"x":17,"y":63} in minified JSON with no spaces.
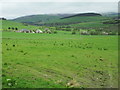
{"x":59,"y":60}
{"x":80,"y":19}
{"x":6,"y":24}
{"x":36,"y":18}
{"x":65,"y":59}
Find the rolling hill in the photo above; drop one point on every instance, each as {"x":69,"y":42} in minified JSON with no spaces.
{"x":11,"y":24}
{"x":77,"y":19}
{"x":68,"y":21}
{"x":60,"y":19}
{"x":40,"y":19}
{"x":83,"y":14}
{"x":36,"y":18}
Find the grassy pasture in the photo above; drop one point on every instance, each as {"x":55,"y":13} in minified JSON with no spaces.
{"x":91,"y":24}
{"x":79,"y":19}
{"x":6,"y":24}
{"x":59,"y":60}
{"x":36,"y":18}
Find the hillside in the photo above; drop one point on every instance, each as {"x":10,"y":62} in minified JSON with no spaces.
{"x":11,"y":24}
{"x":83,"y":14}
{"x":36,"y":18}
{"x":111,"y":14}
{"x":59,"y":19}
{"x":77,"y":19}
{"x":72,"y":22}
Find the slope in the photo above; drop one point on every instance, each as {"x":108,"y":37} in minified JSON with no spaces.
{"x":11,"y":24}
{"x":36,"y":18}
{"x":77,"y":19}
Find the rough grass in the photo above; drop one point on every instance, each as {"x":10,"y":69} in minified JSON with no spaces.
{"x":79,"y":19}
{"x":36,"y":18}
{"x":6,"y":24}
{"x":59,"y":60}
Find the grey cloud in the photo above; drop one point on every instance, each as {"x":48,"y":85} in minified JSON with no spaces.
{"x":16,"y":9}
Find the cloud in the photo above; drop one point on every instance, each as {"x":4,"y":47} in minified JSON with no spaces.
{"x":59,"y":0}
{"x":16,"y":9}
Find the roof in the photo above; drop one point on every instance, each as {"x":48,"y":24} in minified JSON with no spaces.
{"x":38,"y":30}
{"x":24,"y":30}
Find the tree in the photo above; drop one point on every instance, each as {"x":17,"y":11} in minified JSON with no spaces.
{"x":16,"y":28}
{"x":9,"y":28}
{"x":73,"y":32}
{"x":3,"y":18}
{"x":12,"y":28}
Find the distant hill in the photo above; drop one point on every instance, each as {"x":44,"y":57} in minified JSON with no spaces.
{"x":111,"y":14}
{"x":36,"y":18}
{"x":65,"y":15}
{"x":78,"y":18}
{"x":60,"y":19}
{"x":83,"y":14}
{"x":43,"y":18}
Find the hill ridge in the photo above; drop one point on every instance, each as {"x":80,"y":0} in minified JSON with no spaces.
{"x":83,"y":14}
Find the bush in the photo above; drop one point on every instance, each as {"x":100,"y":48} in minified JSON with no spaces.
{"x":67,"y":29}
{"x":9,"y":28}
{"x":54,"y":32}
{"x":94,"y":33}
{"x":16,"y":28}
{"x":73,"y":32}
{"x":12,"y":28}
{"x":111,"y":33}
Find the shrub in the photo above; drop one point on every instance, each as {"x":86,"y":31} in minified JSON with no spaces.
{"x":9,"y":28}
{"x":111,"y":33}
{"x":73,"y":32}
{"x":12,"y":28}
{"x":94,"y":32}
{"x":54,"y":32}
{"x":16,"y":28}
{"x":67,"y":29}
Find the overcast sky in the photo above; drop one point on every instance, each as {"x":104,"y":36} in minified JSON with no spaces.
{"x":13,"y":8}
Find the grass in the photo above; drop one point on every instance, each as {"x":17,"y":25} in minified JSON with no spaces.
{"x":59,"y":60}
{"x":6,"y":24}
{"x":91,"y":24}
{"x":79,"y":19}
{"x":36,"y":18}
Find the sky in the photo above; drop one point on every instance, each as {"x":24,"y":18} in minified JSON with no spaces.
{"x":13,"y":8}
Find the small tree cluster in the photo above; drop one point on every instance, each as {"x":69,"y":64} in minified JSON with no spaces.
{"x":13,"y":28}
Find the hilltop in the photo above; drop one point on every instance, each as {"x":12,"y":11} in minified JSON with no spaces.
{"x":78,"y":18}
{"x":56,"y":18}
{"x":36,"y":18}
{"x":83,"y":14}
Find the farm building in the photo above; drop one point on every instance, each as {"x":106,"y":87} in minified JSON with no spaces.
{"x":47,"y":31}
{"x":38,"y":31}
{"x":104,"y":33}
{"x":24,"y":31}
{"x":84,"y":33}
